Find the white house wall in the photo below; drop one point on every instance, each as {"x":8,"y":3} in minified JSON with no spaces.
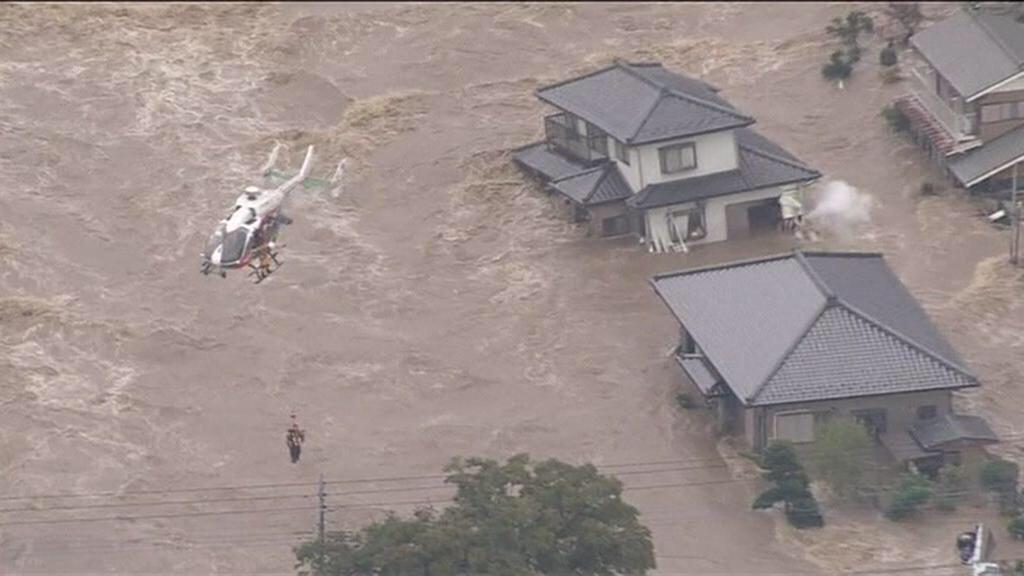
{"x":716,"y":152}
{"x":631,"y":171}
{"x":714,"y":215}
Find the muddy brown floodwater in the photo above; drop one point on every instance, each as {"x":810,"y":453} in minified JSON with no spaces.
{"x":440,"y":306}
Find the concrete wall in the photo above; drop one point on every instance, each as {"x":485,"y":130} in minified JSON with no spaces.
{"x":631,"y":171}
{"x":714,"y":214}
{"x":901,"y":409}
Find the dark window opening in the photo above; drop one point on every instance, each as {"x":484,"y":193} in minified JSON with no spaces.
{"x":926,"y":412}
{"x":873,"y":420}
{"x":615,"y":226}
{"x":621,"y":152}
{"x":687,"y":224}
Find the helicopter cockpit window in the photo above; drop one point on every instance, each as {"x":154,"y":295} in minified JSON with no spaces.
{"x":215,"y":240}
{"x":234,"y":246}
{"x":251,"y":216}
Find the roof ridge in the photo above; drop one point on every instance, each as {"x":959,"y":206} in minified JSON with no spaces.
{"x":733,"y":264}
{"x":907,"y":340}
{"x":574,"y":79}
{"x":777,"y":158}
{"x":593,"y":190}
{"x":995,"y":38}
{"x":830,"y":302}
{"x":577,"y":174}
{"x":664,"y":89}
{"x":818,"y":281}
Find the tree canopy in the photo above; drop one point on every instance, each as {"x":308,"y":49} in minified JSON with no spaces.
{"x":520,"y":518}
{"x":841,"y":454}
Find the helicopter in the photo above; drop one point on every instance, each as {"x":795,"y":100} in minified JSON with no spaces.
{"x":247,"y":237}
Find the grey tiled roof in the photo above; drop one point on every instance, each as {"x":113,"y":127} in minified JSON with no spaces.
{"x":845,"y":354}
{"x":639,"y":103}
{"x":603,"y":183}
{"x":951,"y":427}
{"x":805,"y":327}
{"x":762,"y":164}
{"x":975,"y":165}
{"x":973,"y":50}
{"x":551,"y":165}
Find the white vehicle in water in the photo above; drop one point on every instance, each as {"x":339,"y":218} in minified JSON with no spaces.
{"x":248,"y":235}
{"x":972,"y":547}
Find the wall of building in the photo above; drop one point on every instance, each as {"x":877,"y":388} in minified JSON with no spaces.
{"x":600,"y":212}
{"x":716,"y":152}
{"x":901,"y":409}
{"x":631,"y":171}
{"x":714,"y":215}
{"x":991,"y":130}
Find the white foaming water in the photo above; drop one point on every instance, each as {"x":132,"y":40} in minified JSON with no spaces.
{"x":841,"y":209}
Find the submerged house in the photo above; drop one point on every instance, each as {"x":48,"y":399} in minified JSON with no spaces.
{"x":966,"y":108}
{"x":638,"y":149}
{"x":782,"y":344}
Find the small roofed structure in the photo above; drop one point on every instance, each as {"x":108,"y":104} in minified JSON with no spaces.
{"x":952,"y":431}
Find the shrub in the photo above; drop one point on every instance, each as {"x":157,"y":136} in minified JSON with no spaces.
{"x":1016,"y":528}
{"x":896,"y":119}
{"x":912,"y":492}
{"x":837,"y":67}
{"x":792,"y":488}
{"x":928,"y":189}
{"x":1000,"y":476}
{"x":952,"y":483}
{"x":887,"y":57}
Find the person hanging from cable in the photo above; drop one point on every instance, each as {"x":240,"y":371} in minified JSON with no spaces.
{"x":296,"y":436}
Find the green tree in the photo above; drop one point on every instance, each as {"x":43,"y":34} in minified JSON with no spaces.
{"x":951,"y":487}
{"x":841,"y":452}
{"x":1000,"y":476}
{"x":848,"y":30}
{"x":908,"y":15}
{"x":792,"y":487}
{"x":913,"y":491}
{"x":838,"y":67}
{"x":518,"y":518}
{"x":887,"y":57}
{"x":1016,"y":527}
{"x":896,"y":119}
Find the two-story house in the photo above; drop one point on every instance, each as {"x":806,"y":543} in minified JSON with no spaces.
{"x":635,"y":148}
{"x":782,"y":344}
{"x":966,"y":107}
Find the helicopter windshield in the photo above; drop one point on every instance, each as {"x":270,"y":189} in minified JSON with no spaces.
{"x":234,"y":246}
{"x":215,"y":240}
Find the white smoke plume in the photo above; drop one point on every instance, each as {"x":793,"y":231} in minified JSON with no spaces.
{"x":840,"y":209}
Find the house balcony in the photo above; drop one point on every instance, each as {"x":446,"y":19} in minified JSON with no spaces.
{"x":960,"y":127}
{"x":564,"y":137}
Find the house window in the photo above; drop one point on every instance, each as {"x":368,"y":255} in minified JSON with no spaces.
{"x":795,"y":426}
{"x":687,"y":345}
{"x":615,"y":226}
{"x":621,"y":153}
{"x":926,"y":412}
{"x":687,"y":225}
{"x":1001,"y":112}
{"x":678,"y":158}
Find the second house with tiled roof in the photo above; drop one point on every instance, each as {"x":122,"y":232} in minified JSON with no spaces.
{"x":638,"y":149}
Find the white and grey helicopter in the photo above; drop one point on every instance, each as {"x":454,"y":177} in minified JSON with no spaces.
{"x":247,"y":237}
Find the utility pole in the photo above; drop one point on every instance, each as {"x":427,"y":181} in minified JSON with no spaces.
{"x":322,"y":495}
{"x":1015,"y":219}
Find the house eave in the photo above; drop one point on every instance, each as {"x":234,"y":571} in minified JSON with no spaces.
{"x":752,"y":403}
{"x":641,"y":206}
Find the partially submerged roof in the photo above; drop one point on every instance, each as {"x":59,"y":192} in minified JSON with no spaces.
{"x":975,"y":49}
{"x":979,"y":164}
{"x":952,"y":428}
{"x":699,"y":373}
{"x":597,"y":185}
{"x":641,"y":103}
{"x":762,"y":164}
{"x":811,"y":326}
{"x":549,"y":164}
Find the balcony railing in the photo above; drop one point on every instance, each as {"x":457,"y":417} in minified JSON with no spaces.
{"x":960,"y":126}
{"x":590,"y":147}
